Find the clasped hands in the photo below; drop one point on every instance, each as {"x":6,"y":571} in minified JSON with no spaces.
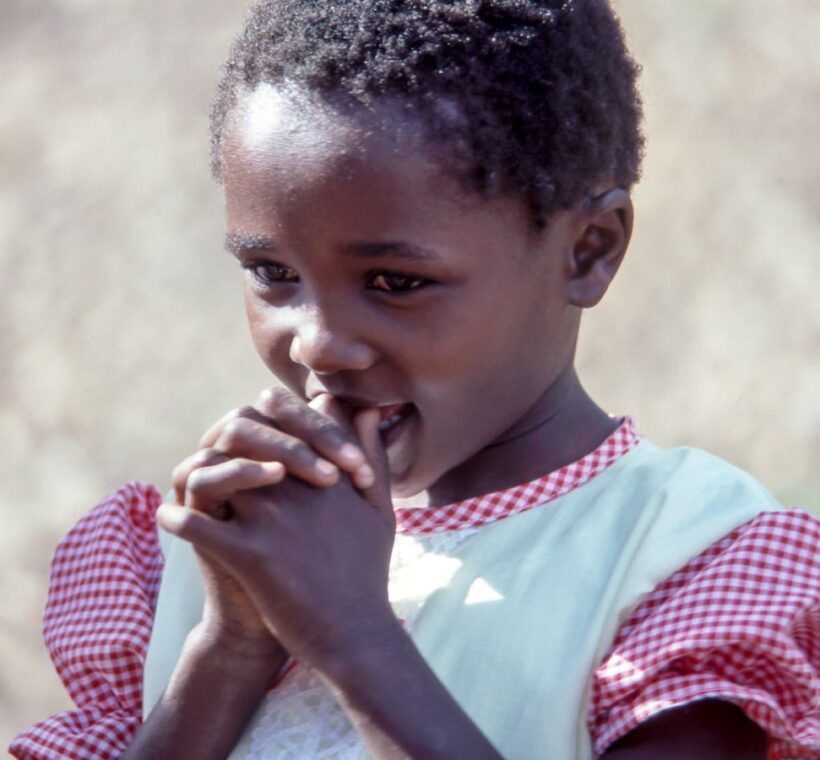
{"x":288,"y":507}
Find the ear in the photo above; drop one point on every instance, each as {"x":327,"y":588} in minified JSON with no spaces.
{"x":600,"y":247}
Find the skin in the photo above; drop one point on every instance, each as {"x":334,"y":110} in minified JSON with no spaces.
{"x":372,"y":279}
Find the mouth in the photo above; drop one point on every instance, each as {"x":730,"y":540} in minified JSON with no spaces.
{"x":394,"y":418}
{"x":391,"y":421}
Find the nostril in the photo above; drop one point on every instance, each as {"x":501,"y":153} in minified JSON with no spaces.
{"x":325,"y":353}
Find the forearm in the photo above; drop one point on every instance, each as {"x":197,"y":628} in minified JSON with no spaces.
{"x":212,"y":693}
{"x":400,"y":707}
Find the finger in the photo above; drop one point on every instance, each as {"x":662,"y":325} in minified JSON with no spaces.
{"x":378,"y":494}
{"x":181,"y":473}
{"x":209,"y":488}
{"x":249,"y":439}
{"x":219,"y":539}
{"x":363,"y":475}
{"x":331,"y":436}
{"x":246,"y":412}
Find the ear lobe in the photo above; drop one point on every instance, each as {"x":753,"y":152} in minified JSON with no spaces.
{"x":601,"y":247}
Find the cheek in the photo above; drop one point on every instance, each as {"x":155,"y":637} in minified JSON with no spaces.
{"x":467,"y":387}
{"x":271,"y":341}
{"x":500,"y":368}
{"x":259,"y":328}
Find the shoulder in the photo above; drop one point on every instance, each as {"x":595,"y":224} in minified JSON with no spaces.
{"x":687,"y":472}
{"x":740,"y":622}
{"x":685,"y":497}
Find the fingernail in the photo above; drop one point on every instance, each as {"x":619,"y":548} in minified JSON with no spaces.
{"x":327,"y":468}
{"x":350,"y":453}
{"x":274,"y":469}
{"x":365,"y":476}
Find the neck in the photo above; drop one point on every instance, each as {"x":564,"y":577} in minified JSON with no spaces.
{"x":564,"y":425}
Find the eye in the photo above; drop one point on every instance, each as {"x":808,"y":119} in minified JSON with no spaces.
{"x":395,"y":282}
{"x":270,"y":272}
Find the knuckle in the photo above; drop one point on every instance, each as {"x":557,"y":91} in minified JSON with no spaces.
{"x":328,"y":428}
{"x":232,"y":469}
{"x":197,"y":482}
{"x":299,"y":450}
{"x":179,"y":474}
{"x":183,"y":470}
{"x":275,"y":400}
{"x":233,"y":432}
{"x":238,"y":468}
{"x":204,"y":457}
{"x":241,"y":412}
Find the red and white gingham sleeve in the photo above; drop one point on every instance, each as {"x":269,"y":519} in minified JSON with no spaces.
{"x":741,"y":623}
{"x":104,"y":582}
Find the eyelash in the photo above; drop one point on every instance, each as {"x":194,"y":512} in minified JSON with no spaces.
{"x":269,"y":273}
{"x":284,"y":275}
{"x":408,"y":282}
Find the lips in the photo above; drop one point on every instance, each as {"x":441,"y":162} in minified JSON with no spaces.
{"x":391,"y":414}
{"x":391,"y":418}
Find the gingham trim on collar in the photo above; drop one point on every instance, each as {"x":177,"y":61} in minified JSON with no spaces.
{"x":480,"y":510}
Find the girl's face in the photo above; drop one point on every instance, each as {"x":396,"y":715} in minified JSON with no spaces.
{"x":373,"y":276}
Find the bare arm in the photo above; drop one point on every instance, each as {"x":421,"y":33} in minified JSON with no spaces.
{"x":231,"y":658}
{"x":706,"y":730}
{"x":215,"y":688}
{"x":399,"y":706}
{"x":402,"y":710}
{"x":314,"y":563}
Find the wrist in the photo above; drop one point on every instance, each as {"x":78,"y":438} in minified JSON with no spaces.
{"x":239,"y":657}
{"x":369,"y":648}
{"x":398,"y":704}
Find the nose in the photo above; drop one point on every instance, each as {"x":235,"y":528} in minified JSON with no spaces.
{"x":325,"y":344}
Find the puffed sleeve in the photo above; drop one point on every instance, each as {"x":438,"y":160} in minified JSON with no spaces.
{"x":741,"y":623}
{"x":97,"y":623}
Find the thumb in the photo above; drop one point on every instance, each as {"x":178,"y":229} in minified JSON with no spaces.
{"x":366,"y":423}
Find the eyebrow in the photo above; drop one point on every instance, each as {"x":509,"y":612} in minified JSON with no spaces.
{"x":238,"y":242}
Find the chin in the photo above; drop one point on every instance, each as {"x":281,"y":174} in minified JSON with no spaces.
{"x":401,"y":489}
{"x":413,"y":482}
{"x":405,"y":485}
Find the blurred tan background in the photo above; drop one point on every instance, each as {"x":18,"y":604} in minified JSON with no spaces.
{"x":121,"y":326}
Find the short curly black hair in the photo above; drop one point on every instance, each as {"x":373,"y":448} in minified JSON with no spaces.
{"x":534,"y":98}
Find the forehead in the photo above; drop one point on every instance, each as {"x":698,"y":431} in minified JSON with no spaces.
{"x":279,"y":121}
{"x":281,"y":141}
{"x":299,"y":128}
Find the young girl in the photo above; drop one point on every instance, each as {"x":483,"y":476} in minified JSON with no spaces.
{"x":433,"y":543}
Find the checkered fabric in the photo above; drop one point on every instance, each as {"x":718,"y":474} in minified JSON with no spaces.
{"x":104,"y":583}
{"x":480,"y":510}
{"x":741,"y":623}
